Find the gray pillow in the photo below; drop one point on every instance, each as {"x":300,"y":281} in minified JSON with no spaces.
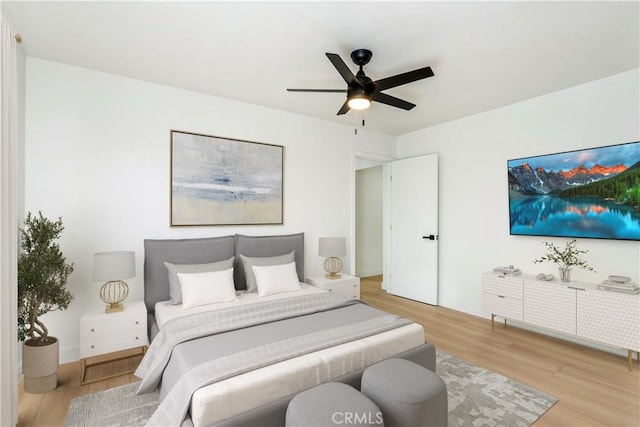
{"x":257,"y":246}
{"x":247,"y":262}
{"x":175,"y":293}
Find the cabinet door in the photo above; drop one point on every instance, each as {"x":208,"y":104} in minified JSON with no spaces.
{"x":506,"y":286}
{"x":508,"y":308}
{"x":610,"y":318}
{"x":502,"y":296}
{"x":550,"y":305}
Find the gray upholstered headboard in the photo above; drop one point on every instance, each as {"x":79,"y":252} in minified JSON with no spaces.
{"x":211,"y":249}
{"x":178,"y":251}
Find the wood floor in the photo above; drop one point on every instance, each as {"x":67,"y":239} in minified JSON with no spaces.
{"x":594,"y":388}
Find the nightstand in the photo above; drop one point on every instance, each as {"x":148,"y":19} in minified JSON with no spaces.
{"x":112,"y":337}
{"x":346,"y":285}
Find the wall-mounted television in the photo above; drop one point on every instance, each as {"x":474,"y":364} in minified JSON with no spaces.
{"x":590,"y":193}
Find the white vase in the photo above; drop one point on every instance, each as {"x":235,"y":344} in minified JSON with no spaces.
{"x":565,"y":274}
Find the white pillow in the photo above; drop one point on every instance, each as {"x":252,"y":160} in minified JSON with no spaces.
{"x":174,"y":284}
{"x":248,"y":262}
{"x":206,"y":288}
{"x":275,"y":279}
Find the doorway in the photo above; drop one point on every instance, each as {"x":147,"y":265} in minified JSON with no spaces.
{"x":368,"y":235}
{"x":369,"y":225}
{"x":424,"y":279}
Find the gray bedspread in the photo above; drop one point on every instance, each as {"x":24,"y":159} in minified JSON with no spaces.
{"x":240,"y":339}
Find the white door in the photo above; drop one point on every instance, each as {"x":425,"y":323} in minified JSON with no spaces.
{"x":414,"y":229}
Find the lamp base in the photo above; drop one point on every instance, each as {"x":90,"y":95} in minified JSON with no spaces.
{"x":333,"y":266}
{"x":113,"y":293}
{"x":114,"y":308}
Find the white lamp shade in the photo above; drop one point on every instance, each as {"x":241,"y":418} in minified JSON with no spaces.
{"x":332,"y":246}
{"x":116,"y":265}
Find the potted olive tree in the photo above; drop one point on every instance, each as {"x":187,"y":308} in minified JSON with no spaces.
{"x":42,"y":276}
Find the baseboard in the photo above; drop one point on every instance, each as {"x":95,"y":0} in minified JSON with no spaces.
{"x":69,"y":353}
{"x":566,"y":337}
{"x":368,"y":273}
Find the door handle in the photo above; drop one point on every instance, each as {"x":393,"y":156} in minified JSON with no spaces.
{"x":431,"y":237}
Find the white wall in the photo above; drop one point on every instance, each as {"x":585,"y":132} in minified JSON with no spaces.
{"x":369,"y":221}
{"x":473,"y":152}
{"x":97,"y":154}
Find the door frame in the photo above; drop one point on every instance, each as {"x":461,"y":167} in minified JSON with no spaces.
{"x":383,"y":160}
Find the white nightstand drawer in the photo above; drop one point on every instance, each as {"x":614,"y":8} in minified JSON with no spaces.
{"x":114,"y":324}
{"x":135,"y":337}
{"x":346,"y":285}
{"x":102,"y":332}
{"x":347,"y":289}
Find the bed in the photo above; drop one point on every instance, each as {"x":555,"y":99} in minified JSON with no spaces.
{"x":238,"y":362}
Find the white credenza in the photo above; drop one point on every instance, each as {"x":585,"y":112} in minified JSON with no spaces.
{"x":574,"y":308}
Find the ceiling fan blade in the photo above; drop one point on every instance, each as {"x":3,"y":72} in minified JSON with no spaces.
{"x":344,"y":109}
{"x":318,"y":90}
{"x":342,"y":68}
{"x":392,"y":100}
{"x":404,"y":78}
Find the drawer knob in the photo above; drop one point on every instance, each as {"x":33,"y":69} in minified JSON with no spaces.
{"x":93,"y":330}
{"x":136,"y":337}
{"x":137,"y":323}
{"x":92,"y":346}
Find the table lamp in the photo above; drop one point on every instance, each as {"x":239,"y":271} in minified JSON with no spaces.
{"x":112,"y":268}
{"x":332,"y":248}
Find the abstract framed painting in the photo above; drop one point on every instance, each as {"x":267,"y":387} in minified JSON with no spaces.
{"x":590,"y":193}
{"x":224,"y":181}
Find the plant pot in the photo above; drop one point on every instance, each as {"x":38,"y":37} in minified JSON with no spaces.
{"x":40,"y":365}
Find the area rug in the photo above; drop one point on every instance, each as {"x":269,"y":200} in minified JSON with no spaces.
{"x":118,"y":406}
{"x":477,"y":397}
{"x":480,"y":397}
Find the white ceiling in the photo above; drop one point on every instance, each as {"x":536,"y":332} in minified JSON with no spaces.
{"x":484,"y":54}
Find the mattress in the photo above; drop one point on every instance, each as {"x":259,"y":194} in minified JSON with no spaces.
{"x":233,"y":396}
{"x":164,"y":311}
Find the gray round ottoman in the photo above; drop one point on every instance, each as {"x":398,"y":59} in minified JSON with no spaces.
{"x":331,"y":404}
{"x":407,"y":393}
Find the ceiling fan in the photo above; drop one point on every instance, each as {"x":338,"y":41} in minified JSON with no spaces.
{"x":361,"y":90}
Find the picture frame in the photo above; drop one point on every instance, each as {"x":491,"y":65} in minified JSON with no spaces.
{"x":225,"y":181}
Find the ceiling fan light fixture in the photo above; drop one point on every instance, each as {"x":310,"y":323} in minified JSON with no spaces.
{"x":361,"y":90}
{"x":359,"y":103}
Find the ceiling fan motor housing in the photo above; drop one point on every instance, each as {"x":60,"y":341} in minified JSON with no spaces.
{"x":361,"y":56}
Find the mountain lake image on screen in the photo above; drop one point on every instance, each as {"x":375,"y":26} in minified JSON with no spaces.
{"x":590,"y":193}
